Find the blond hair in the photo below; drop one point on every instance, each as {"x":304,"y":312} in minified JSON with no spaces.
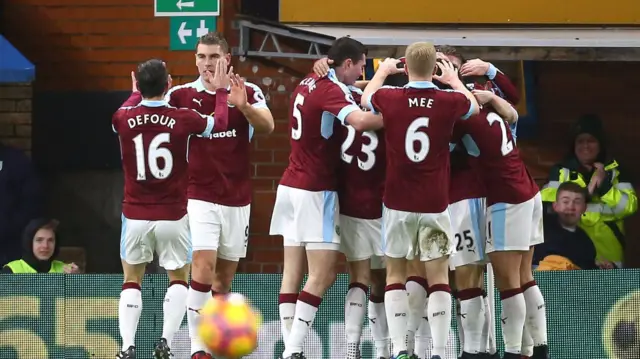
{"x":421,"y":58}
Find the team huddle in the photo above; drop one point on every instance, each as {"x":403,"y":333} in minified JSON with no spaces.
{"x":426,"y":176}
{"x":408,"y":182}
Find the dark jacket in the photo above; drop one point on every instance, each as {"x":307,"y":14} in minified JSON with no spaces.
{"x":27,"y":246}
{"x":20,"y":200}
{"x":575,"y":246}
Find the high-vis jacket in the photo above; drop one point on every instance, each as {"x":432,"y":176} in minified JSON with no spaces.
{"x":613,"y":201}
{"x":22,"y":267}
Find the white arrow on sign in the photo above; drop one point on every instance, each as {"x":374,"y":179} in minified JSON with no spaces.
{"x":202,"y":30}
{"x":184,"y":32}
{"x":181,"y":4}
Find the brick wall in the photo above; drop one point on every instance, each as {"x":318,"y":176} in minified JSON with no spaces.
{"x":15,"y":115}
{"x":94,"y":44}
{"x":91,"y":44}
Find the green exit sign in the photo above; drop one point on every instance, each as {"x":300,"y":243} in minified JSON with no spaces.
{"x":168,"y":8}
{"x":186,"y":30}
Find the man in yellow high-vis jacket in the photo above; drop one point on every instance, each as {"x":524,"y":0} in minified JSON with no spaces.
{"x":613,"y":197}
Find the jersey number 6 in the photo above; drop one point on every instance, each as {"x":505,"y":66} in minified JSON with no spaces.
{"x":414,"y":136}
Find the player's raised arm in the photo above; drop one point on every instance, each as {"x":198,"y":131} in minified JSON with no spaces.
{"x":387,"y":67}
{"x":478,"y":67}
{"x":450,"y":77}
{"x":500,"y":105}
{"x":135,"y":97}
{"x":221,"y":80}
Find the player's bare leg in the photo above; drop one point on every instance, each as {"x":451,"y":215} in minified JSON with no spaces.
{"x":469,"y":283}
{"x":202,"y":274}
{"x":439,"y":305}
{"x":174,"y":308}
{"x":322,"y":275}
{"x":355,"y":305}
{"x":223,"y":276}
{"x":377,"y":315}
{"x":536,"y":319}
{"x":130,"y":308}
{"x":417,"y":294}
{"x":397,"y":304}
{"x":293,"y":271}
{"x":506,"y":268}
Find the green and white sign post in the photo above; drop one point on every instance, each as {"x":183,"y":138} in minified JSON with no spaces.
{"x":189,"y":20}
{"x":185,"y":31}
{"x":202,"y":8}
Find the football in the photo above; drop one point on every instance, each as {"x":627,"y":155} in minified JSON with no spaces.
{"x":229,"y":326}
{"x":621,"y":332}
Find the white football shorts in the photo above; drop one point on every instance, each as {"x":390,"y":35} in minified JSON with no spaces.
{"x":215,"y":227}
{"x":361,"y":239}
{"x":306,"y":218}
{"x":423,"y":235}
{"x":171,"y":240}
{"x":468,"y":227}
{"x":514,"y":227}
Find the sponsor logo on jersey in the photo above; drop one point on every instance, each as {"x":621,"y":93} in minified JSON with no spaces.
{"x":222,"y":134}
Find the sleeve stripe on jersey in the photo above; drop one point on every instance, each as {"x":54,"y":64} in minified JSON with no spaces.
{"x":114,"y":128}
{"x":209,"y":128}
{"x":369,"y":104}
{"x":342,"y":115}
{"x":472,"y":108}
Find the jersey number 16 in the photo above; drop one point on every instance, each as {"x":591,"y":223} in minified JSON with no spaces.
{"x":153,"y":155}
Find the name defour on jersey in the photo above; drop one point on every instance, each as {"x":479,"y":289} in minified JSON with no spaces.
{"x":151,"y":119}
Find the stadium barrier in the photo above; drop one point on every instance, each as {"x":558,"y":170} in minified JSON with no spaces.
{"x":591,"y":315}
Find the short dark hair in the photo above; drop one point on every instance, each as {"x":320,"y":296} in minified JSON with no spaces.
{"x":214,"y":38}
{"x":152,"y":77}
{"x":346,"y":48}
{"x":450,"y":51}
{"x":572,"y":187}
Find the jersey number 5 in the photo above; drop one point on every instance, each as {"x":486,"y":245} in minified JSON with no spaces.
{"x":296,"y":132}
{"x":367,"y":149}
{"x":419,"y":138}
{"x":507,"y":145}
{"x":154,"y":153}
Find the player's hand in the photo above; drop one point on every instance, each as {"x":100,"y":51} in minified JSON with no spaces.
{"x":238,"y":95}
{"x":475,"y":67}
{"x":71,"y":268}
{"x":219,"y":79}
{"x":449,"y":73}
{"x":483,"y":96}
{"x":134,"y":82}
{"x":390,"y":67}
{"x":321,"y":67}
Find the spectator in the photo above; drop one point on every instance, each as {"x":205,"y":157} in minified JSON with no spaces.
{"x":566,"y":246}
{"x":40,"y":249}
{"x":20,"y":200}
{"x":611,"y":195}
